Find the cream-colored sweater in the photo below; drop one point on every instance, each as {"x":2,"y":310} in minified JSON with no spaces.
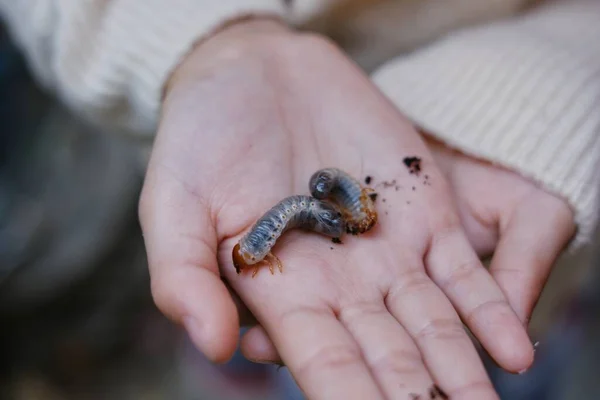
{"x":521,"y":88}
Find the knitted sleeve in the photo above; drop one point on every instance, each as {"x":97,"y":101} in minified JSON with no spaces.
{"x":523,"y":93}
{"x":109,"y":59}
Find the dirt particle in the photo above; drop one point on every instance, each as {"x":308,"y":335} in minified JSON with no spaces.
{"x":414,"y":188}
{"x":336,"y":240}
{"x":373,"y":196}
{"x":384,"y":200}
{"x":386,"y":213}
{"x":331,"y":248}
{"x":368,"y":180}
{"x":441,"y":393}
{"x":426,"y":177}
{"x":387,"y":184}
{"x":408,"y":202}
{"x":397,"y":187}
{"x":414,"y":396}
{"x":413,"y":164}
{"x":435,"y":391}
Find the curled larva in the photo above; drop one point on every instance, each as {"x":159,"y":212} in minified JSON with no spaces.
{"x":302,"y":212}
{"x":354,"y":200}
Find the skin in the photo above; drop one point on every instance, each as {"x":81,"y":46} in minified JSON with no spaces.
{"x":379,"y":316}
{"x":500,"y":211}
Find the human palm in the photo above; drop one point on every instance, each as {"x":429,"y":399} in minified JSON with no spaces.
{"x":373,"y":317}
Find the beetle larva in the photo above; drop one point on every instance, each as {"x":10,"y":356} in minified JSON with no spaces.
{"x":354,"y":200}
{"x":302,"y":212}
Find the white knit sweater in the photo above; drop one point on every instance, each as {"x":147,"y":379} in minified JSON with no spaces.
{"x":523,"y":92}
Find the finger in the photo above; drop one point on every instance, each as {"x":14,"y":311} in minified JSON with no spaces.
{"x":448,"y":352}
{"x":320,"y":353}
{"x":388,"y":350}
{"x":530,"y":243}
{"x":245,"y":316}
{"x":456,"y":269}
{"x":181,"y":244}
{"x":257,"y":346}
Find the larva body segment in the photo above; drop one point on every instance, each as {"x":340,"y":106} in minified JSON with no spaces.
{"x":302,"y":212}
{"x":341,"y":188}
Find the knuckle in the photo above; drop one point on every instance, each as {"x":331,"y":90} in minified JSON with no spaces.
{"x":488,"y":307}
{"x":399,"y":362}
{"x":290,"y":316}
{"x":508,"y":274}
{"x":331,"y":358}
{"x":463,"y":271}
{"x":410,"y":282}
{"x":415,"y":280}
{"x":359,"y":311}
{"x":441,"y":329}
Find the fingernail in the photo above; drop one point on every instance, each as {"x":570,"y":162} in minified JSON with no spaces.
{"x":521,"y":372}
{"x":260,"y":361}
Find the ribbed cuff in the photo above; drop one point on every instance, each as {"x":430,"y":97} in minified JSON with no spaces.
{"x":523,"y":94}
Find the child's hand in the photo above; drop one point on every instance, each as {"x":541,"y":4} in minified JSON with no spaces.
{"x":371,"y":318}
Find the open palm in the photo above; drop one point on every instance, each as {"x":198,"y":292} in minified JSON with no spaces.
{"x":373,"y":317}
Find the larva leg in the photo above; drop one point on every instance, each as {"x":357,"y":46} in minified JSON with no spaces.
{"x":277,"y":260}
{"x":271,"y":268}
{"x":256,"y":268}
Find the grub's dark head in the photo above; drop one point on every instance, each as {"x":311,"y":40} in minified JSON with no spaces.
{"x":321,"y":184}
{"x":331,"y":221}
{"x":238,"y":259}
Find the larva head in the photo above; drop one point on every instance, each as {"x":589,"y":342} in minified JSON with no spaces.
{"x":331,"y":221}
{"x":321,"y":184}
{"x":242,"y":259}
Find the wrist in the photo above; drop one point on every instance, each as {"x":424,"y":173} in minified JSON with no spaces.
{"x":234,"y":43}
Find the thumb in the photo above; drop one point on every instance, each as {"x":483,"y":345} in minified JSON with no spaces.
{"x":181,"y":244}
{"x":257,"y":346}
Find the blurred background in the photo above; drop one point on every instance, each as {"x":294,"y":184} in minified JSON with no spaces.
{"x":76,"y":317}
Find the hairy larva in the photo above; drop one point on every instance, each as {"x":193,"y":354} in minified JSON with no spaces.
{"x":354,"y":200}
{"x":302,"y":212}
